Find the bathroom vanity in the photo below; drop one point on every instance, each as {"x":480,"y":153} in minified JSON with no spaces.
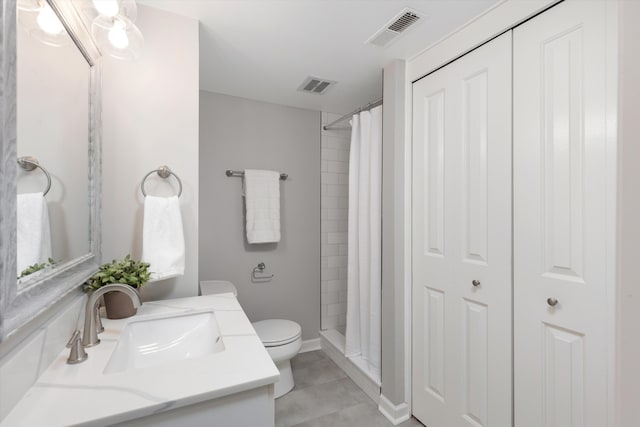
{"x":195,"y":359}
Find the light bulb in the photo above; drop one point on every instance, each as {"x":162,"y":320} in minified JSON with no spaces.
{"x":118,"y":36}
{"x":48,"y":21}
{"x":107,"y":7}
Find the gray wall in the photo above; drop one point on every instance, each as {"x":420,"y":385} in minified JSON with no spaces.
{"x":394,"y":297}
{"x":242,"y":134}
{"x":628,"y":371}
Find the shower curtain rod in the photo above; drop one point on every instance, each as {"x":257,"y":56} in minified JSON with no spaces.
{"x":349,"y":115}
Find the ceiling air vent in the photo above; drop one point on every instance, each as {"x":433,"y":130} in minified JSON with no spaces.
{"x":316,"y":85}
{"x":394,"y":28}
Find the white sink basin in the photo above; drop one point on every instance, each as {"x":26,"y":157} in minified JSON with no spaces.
{"x":155,"y":341}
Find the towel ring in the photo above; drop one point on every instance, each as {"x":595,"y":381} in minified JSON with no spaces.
{"x":163,"y":172}
{"x":28,"y":163}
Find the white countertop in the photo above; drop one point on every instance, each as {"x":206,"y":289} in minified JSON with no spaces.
{"x":67,"y":395}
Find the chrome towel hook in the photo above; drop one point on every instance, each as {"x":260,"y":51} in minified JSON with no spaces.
{"x":28,"y":164}
{"x":163,"y":172}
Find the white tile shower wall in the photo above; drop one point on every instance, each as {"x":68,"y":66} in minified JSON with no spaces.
{"x":334,"y":205}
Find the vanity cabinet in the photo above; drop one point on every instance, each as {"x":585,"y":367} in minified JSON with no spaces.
{"x":537,"y":95}
{"x":248,"y":408}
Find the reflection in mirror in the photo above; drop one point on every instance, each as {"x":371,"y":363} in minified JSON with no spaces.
{"x":53,"y":86}
{"x":71,"y":156}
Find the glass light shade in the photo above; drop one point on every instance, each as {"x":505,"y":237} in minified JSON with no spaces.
{"x":108,"y":8}
{"x":117,"y":36}
{"x":48,"y":21}
{"x":44,"y":25}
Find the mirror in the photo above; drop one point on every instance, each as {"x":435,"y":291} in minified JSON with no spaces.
{"x":50,"y":109}
{"x":53,"y":132}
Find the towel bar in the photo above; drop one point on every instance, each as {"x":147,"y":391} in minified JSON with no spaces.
{"x":28,"y":164}
{"x":229,"y":172}
{"x":163,"y":172}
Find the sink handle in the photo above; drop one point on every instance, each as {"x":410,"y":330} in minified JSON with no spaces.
{"x":77,"y":353}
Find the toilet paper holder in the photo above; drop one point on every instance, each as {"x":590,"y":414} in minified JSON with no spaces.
{"x":258,"y":274}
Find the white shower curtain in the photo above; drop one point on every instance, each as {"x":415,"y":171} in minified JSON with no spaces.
{"x":364,"y":268}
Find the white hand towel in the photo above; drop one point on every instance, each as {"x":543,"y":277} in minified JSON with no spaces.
{"x":262,"y":200}
{"x":163,"y":237}
{"x":34,"y":232}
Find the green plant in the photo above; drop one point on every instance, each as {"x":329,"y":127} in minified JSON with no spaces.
{"x":37,"y":267}
{"x":127,"y":271}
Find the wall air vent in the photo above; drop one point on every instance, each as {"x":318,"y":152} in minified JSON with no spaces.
{"x":394,"y":28}
{"x":316,"y":85}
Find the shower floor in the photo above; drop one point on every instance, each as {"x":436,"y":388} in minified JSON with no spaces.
{"x":336,"y":348}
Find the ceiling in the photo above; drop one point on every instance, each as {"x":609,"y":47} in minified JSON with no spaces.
{"x":264,"y":49}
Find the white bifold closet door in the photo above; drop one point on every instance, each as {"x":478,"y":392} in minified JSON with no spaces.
{"x":561,"y":219}
{"x":462,"y":350}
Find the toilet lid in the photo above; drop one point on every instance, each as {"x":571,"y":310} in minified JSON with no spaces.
{"x":275,"y":332}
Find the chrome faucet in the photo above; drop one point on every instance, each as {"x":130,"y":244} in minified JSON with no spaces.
{"x":90,"y":335}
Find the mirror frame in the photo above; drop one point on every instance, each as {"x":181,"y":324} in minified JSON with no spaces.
{"x":18,"y":307}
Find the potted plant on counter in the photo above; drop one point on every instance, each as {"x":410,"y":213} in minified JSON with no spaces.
{"x":127,"y":271}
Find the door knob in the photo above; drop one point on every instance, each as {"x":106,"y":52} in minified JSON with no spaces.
{"x":475,"y":282}
{"x":552,"y":302}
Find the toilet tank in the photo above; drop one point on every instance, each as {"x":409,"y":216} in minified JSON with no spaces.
{"x":211,"y":287}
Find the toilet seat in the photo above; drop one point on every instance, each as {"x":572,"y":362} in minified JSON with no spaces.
{"x":277,"y":332}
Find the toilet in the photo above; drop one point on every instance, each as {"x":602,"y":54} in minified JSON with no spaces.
{"x":282,"y":338}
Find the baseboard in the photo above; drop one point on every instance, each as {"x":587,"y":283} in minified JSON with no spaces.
{"x":310,"y":345}
{"x":396,"y":414}
{"x":362,"y":380}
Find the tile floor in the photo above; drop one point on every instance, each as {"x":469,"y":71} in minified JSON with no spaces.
{"x":324,"y":396}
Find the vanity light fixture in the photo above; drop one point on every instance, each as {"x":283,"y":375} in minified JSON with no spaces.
{"x":49,"y":22}
{"x":113,"y":29}
{"x":117,"y":36}
{"x":112,"y":25}
{"x":40,"y":21}
{"x":110,"y":8}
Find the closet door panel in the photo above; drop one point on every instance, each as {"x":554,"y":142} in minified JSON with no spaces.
{"x":434,"y":377}
{"x":434,"y":176}
{"x":483,"y":270}
{"x":462,"y":236}
{"x":475,"y":365}
{"x":475,"y":127}
{"x":560,"y":270}
{"x":432,"y":297}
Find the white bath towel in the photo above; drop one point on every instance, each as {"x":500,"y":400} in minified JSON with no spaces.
{"x":34,"y":232}
{"x":163,"y":237}
{"x":262,"y":200}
